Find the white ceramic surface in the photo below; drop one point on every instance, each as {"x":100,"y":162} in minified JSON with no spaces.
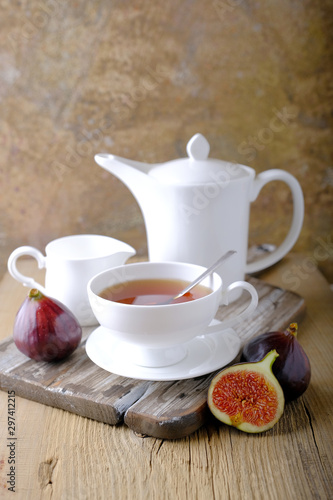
{"x":203,"y":354}
{"x":197,"y":208}
{"x":156,"y":328}
{"x":70,"y":263}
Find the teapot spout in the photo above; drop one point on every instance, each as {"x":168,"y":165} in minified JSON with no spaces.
{"x":132,"y":173}
{"x":110,"y":162}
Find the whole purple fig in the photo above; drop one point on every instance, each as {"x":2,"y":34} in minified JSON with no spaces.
{"x":292,"y":368}
{"x":45,"y":329}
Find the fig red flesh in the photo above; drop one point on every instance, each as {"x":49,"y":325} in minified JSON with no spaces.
{"x":45,"y":329}
{"x":247,"y":395}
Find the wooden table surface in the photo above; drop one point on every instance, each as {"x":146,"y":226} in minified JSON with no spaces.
{"x":61,"y":455}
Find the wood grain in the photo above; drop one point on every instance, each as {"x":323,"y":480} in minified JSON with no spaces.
{"x":167,"y":410}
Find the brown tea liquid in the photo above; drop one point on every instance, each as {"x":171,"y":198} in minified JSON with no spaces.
{"x":152,"y":291}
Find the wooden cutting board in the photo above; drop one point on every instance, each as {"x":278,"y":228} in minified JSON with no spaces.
{"x":167,"y":410}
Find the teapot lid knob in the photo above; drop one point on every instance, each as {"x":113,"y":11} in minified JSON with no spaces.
{"x":198,"y":147}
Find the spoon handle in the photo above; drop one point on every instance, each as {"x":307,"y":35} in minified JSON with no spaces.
{"x":205,"y":273}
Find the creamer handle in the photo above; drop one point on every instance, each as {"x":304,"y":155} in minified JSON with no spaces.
{"x":15,"y":273}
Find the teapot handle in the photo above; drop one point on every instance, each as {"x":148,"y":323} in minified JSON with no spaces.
{"x":297,"y":220}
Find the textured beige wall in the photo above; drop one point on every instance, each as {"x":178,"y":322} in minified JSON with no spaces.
{"x":138,"y":79}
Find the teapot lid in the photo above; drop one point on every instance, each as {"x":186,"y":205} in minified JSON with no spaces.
{"x":197,"y":168}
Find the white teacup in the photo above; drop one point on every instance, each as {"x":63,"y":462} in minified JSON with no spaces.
{"x":70,"y":263}
{"x":159,"y":332}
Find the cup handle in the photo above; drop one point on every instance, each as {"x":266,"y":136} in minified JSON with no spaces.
{"x":15,"y":273}
{"x":297,"y":220}
{"x":244,"y":314}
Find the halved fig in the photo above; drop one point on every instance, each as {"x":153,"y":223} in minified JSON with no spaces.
{"x":247,"y":395}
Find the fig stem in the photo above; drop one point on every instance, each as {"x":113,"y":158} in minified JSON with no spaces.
{"x":269,"y":359}
{"x":292,"y":329}
{"x":35,"y":294}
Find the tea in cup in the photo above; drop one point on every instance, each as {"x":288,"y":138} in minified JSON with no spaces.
{"x":153,"y":292}
{"x":70,"y":263}
{"x":129,"y":301}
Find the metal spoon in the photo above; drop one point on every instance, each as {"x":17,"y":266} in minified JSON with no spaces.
{"x":201,"y":277}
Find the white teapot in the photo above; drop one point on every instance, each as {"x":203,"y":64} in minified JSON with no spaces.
{"x":197,"y":208}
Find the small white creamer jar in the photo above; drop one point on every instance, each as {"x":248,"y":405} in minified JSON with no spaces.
{"x":70,"y":262}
